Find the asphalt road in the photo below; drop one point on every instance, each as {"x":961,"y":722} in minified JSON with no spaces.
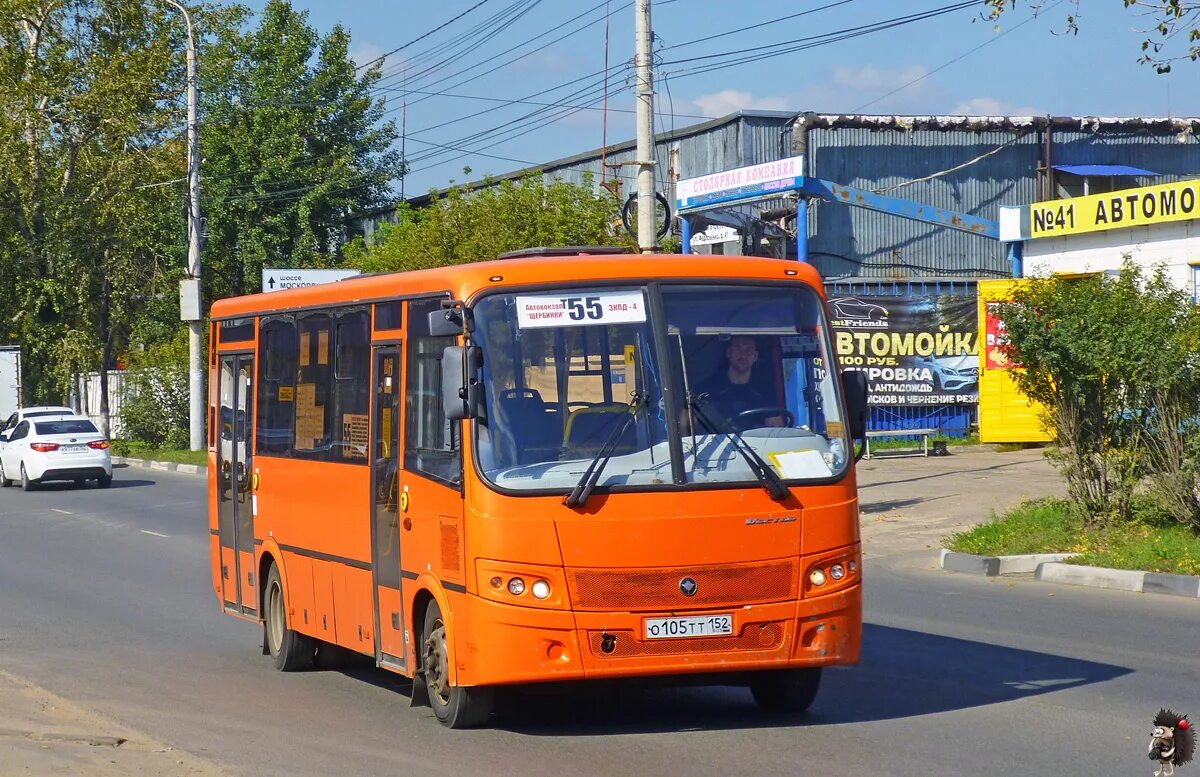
{"x":105,"y":599}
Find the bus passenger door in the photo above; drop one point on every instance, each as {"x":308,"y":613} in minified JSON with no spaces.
{"x":385,"y":507}
{"x":431,"y":477}
{"x":234,"y":467}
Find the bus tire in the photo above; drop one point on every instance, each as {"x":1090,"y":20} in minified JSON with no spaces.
{"x":291,"y":650}
{"x":786,"y":690}
{"x":455,"y":706}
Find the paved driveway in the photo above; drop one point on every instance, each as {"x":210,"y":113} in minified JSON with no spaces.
{"x":910,"y":503}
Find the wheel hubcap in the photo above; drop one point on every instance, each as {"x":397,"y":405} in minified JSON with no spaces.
{"x":275,"y":627}
{"x":436,"y":663}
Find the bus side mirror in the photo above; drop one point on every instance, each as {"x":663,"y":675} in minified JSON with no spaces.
{"x":854,"y":382}
{"x":452,"y":320}
{"x":461,"y":390}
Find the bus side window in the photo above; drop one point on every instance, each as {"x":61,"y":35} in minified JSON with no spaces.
{"x":351,"y":386}
{"x":277,"y":349}
{"x":431,"y":445}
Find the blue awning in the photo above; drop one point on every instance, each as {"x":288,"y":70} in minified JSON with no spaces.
{"x":1102,"y":170}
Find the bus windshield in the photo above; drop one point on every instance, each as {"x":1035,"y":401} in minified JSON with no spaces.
{"x":746,"y":364}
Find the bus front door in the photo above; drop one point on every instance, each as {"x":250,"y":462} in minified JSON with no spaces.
{"x":385,"y":508}
{"x":234,"y":500}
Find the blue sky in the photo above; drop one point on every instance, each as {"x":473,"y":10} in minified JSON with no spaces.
{"x":1024,"y":65}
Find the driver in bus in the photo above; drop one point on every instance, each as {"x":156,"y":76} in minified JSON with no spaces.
{"x":731,"y":392}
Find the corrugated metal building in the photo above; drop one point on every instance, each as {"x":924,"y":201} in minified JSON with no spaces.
{"x":968,"y":164}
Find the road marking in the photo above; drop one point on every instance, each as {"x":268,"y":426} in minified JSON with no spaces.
{"x":64,"y":512}
{"x":155,"y":534}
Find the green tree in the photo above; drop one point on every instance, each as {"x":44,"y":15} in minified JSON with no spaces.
{"x":293,"y":145}
{"x":1102,"y":354}
{"x":1170,"y":20}
{"x":88,"y":114}
{"x":477,"y":226}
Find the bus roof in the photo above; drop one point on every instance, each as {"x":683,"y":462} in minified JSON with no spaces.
{"x":464,"y":281}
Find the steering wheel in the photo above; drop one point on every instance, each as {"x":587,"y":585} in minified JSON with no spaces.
{"x":789,"y":418}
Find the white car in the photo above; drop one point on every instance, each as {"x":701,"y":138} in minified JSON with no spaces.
{"x":55,"y":447}
{"x":40,"y":411}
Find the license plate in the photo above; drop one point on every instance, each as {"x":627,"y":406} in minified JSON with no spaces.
{"x":72,"y":448}
{"x":694,"y":626}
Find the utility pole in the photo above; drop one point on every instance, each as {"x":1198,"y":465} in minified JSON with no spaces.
{"x":189,"y":287}
{"x":646,"y":228}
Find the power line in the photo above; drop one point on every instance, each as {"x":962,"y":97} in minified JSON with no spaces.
{"x":789,"y":17}
{"x":421,"y":37}
{"x":453,"y":54}
{"x":799,"y":44}
{"x":514,"y":60}
{"x":947,"y":64}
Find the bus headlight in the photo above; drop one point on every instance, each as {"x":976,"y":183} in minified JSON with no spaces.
{"x":524,"y":585}
{"x":817,"y":576}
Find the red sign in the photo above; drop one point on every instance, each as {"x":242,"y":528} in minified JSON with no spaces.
{"x":996,"y":342}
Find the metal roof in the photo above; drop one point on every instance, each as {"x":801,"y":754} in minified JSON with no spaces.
{"x":1102,"y":170}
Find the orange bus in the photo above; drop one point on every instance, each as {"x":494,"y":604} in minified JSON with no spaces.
{"x":565,"y":464}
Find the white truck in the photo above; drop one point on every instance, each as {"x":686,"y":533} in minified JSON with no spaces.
{"x":10,"y":380}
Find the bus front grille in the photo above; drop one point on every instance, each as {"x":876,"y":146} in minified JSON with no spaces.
{"x":663,"y":589}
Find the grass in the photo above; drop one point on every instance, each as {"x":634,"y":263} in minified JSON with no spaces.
{"x":1152,"y":543}
{"x":140,"y":450}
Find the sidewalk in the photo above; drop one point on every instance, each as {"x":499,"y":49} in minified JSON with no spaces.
{"x":43,"y":734}
{"x":909,"y":504}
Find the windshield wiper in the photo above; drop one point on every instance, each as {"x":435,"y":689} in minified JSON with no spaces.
{"x":591,"y":476}
{"x":765,"y":473}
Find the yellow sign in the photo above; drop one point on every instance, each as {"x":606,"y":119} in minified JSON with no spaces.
{"x":1179,"y":201}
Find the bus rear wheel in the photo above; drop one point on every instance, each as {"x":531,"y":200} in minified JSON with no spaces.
{"x":291,"y":650}
{"x":455,"y":706}
{"x":786,"y":690}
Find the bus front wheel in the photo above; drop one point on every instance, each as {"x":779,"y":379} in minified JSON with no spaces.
{"x":786,"y":690}
{"x":455,"y":706}
{"x":290,"y":650}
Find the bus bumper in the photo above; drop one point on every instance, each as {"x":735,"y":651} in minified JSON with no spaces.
{"x":509,"y":644}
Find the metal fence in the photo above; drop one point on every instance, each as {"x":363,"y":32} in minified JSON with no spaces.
{"x":948,"y":420}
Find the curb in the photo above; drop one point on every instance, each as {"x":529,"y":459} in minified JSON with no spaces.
{"x":997,"y":565}
{"x":1047,"y":568}
{"x":165,"y":466}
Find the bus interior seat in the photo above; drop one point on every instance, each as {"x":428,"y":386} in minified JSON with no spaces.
{"x":525,"y":413}
{"x":588,"y":427}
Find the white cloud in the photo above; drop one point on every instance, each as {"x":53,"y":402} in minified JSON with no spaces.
{"x":362,"y":53}
{"x":733,"y":100}
{"x":990,"y":106}
{"x":869,"y":78}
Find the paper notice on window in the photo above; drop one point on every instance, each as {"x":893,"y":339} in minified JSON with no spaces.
{"x":800,"y":464}
{"x":323,"y":347}
{"x":310,"y":417}
{"x":580,"y":309}
{"x":305,"y":348}
{"x":355,"y":432}
{"x":287,"y":393}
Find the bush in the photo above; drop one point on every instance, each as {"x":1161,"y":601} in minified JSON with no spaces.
{"x":1114,"y":361}
{"x":156,"y":406}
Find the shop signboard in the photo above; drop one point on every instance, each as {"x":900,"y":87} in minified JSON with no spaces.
{"x":919,"y":350}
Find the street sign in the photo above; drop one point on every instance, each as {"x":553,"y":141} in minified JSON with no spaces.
{"x":716,"y":233}
{"x":278,"y":280}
